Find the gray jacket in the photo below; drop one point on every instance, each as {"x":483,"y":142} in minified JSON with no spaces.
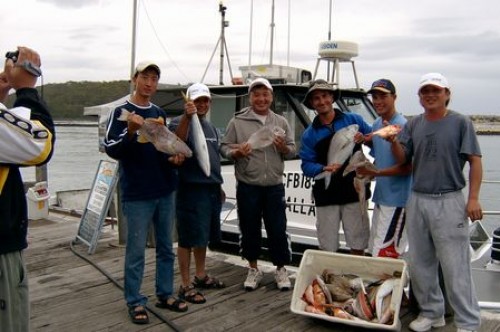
{"x":263,"y":167}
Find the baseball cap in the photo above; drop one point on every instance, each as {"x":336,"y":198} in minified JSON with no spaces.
{"x":317,"y":85}
{"x":198,"y":90}
{"x":260,"y":81}
{"x":142,"y":66}
{"x":434,"y":79}
{"x":383,"y":85}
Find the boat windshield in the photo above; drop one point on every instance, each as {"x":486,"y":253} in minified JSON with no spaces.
{"x":354,"y":104}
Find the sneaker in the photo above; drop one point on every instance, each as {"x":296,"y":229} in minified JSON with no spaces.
{"x":253,"y":279}
{"x":422,"y":323}
{"x":282,"y":280}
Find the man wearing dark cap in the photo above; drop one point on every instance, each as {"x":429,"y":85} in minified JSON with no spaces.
{"x":339,"y":202}
{"x":392,"y":188}
{"x":148,"y":180}
{"x":260,"y":192}
{"x":439,"y":142}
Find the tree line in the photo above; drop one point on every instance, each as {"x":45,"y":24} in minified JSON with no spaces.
{"x":67,"y":100}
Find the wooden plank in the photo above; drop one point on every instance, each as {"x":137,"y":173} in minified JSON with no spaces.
{"x":68,"y":294}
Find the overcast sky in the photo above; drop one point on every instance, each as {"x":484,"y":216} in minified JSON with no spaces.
{"x":400,"y":40}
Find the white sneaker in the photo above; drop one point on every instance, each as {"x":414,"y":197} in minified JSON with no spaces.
{"x":253,"y":279}
{"x":422,"y":323}
{"x":464,"y":330}
{"x":282,"y":280}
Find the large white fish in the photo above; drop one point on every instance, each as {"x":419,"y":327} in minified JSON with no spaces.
{"x":359,"y":159}
{"x":264,"y":137}
{"x":340,"y":148}
{"x":155,"y":132}
{"x":200,"y":142}
{"x":200,"y":145}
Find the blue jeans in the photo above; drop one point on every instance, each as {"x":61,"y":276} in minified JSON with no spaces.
{"x":139,"y":215}
{"x":257,"y":203}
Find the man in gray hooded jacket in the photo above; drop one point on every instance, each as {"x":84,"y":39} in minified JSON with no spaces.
{"x":260,"y":192}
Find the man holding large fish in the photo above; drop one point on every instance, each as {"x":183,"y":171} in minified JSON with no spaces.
{"x":199,"y":196}
{"x":392,"y":188}
{"x":326,"y":147}
{"x":148,"y":180}
{"x":260,"y":192}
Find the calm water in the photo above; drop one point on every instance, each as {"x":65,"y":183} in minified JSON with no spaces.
{"x":77,"y":156}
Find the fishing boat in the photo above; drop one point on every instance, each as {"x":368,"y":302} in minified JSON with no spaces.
{"x":290,"y":85}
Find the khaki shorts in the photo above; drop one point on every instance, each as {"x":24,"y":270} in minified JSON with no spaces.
{"x":14,"y":300}
{"x":355,"y":224}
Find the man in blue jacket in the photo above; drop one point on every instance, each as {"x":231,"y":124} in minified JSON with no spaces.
{"x":27,"y":138}
{"x":339,"y":202}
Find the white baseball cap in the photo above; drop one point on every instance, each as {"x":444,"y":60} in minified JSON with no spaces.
{"x":434,"y":79}
{"x":260,"y":81}
{"x":142,"y":66}
{"x":198,"y":90}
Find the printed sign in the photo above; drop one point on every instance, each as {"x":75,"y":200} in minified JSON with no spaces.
{"x":98,"y":203}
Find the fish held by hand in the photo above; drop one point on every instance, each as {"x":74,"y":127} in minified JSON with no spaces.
{"x":154,"y":131}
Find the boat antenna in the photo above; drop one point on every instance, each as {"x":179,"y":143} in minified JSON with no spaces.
{"x":272,"y":34}
{"x":223,"y":48}
{"x":329,"y":36}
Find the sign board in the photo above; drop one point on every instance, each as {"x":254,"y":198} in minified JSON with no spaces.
{"x":96,"y":209}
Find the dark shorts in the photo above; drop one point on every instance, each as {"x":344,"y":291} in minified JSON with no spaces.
{"x":198,"y":214}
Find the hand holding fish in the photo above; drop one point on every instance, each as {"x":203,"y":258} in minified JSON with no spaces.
{"x":189,"y":109}
{"x":389,"y":132}
{"x":280,"y":144}
{"x":134,"y":123}
{"x":240,"y":150}
{"x":177,"y":159}
{"x":332,"y":168}
{"x":359,"y":138}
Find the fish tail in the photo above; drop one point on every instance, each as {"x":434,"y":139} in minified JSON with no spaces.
{"x":321,"y":175}
{"x":124,"y":115}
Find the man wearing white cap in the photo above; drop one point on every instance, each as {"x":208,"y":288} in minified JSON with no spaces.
{"x":199,"y":198}
{"x":260,"y":192}
{"x":148,"y":180}
{"x":439,"y":142}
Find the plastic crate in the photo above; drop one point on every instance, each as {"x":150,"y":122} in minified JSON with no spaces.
{"x":315,"y":261}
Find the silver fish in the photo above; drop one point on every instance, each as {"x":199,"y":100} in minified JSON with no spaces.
{"x":359,"y":159}
{"x":264,"y":137}
{"x":200,"y":145}
{"x":155,"y":132}
{"x":340,"y":148}
{"x":200,"y":142}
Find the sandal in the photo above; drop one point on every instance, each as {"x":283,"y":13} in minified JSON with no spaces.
{"x":138,"y":315}
{"x":176,"y":305}
{"x":208,"y":282}
{"x":190,"y":294}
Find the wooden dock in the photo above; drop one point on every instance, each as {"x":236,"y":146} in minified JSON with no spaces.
{"x":69,"y":294}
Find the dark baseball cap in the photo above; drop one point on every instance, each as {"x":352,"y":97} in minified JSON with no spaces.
{"x":383,"y":85}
